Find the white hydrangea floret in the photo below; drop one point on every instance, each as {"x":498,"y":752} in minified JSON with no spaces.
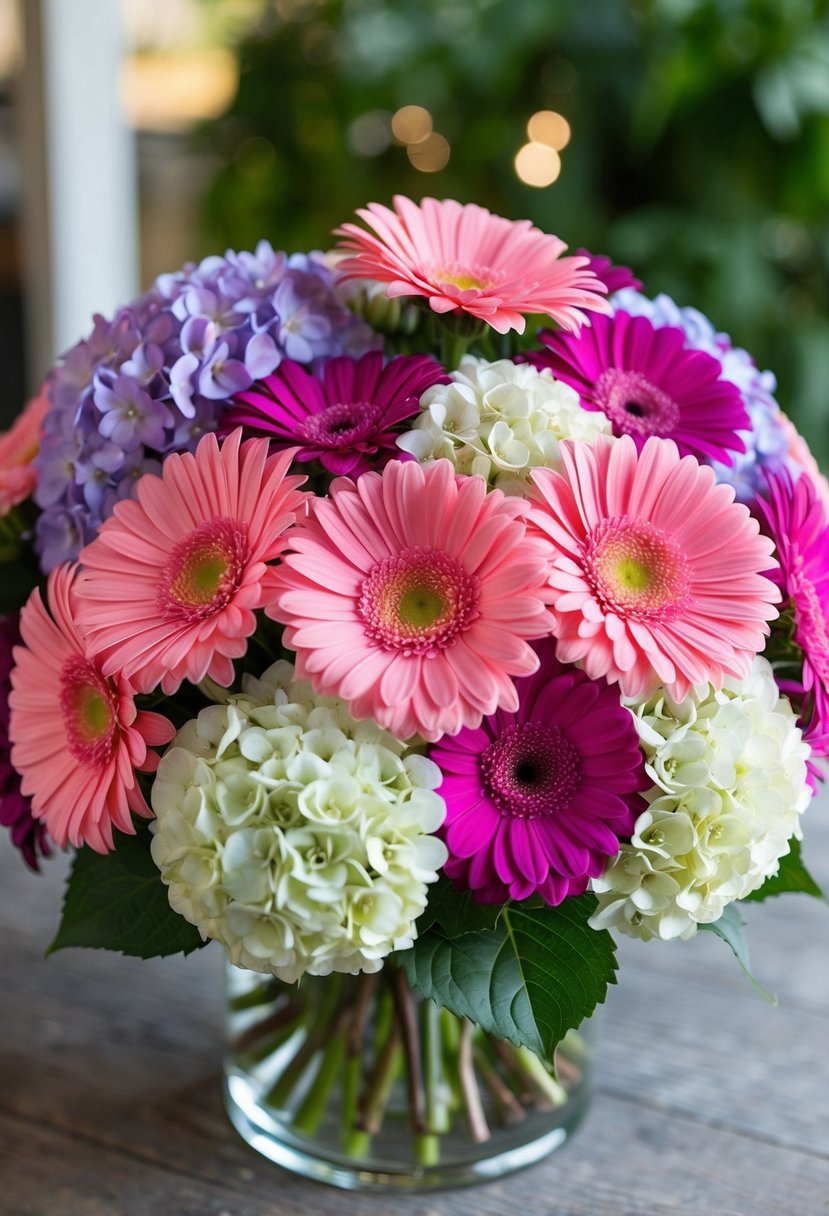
{"x":297,"y":837}
{"x":729,"y":773}
{"x":500,"y":420}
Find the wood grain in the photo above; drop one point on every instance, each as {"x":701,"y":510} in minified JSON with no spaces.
{"x":710,"y":1102}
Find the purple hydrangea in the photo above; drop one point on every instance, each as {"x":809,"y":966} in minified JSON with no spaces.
{"x":157,"y":375}
{"x":27,"y":834}
{"x":767,"y":442}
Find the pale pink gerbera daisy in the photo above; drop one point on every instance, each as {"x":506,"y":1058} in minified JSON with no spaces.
{"x":657,"y":577}
{"x":170,"y":585}
{"x":77,"y":737}
{"x":464,"y":259}
{"x":411,"y":595}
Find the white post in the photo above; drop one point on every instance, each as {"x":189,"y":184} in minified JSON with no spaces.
{"x":80,"y":204}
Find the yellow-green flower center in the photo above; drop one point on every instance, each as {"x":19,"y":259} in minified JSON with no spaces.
{"x":420,"y":607}
{"x":462,"y":278}
{"x":418,"y":601}
{"x":203,"y":571}
{"x":89,"y":707}
{"x":636,"y":570}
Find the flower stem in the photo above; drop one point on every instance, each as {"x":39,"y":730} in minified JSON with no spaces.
{"x":261,"y":994}
{"x":372,"y":1107}
{"x":315,"y":1038}
{"x":450,"y":1041}
{"x":311,"y":1112}
{"x":438,"y":1092}
{"x":270,"y":1025}
{"x":354,"y":1142}
{"x":478,"y":1126}
{"x":539,"y":1077}
{"x":452,"y":349}
{"x":508,"y":1106}
{"x":407,"y":1020}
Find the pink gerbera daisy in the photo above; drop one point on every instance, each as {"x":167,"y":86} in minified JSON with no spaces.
{"x":410,"y":594}
{"x":346,"y":420}
{"x":77,"y":737}
{"x":464,"y":259}
{"x":538,"y":800}
{"x":657,"y":575}
{"x":170,"y":585}
{"x":796,"y":519}
{"x":647,"y":383}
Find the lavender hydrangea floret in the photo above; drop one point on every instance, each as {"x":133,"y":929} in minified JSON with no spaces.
{"x":156,"y":376}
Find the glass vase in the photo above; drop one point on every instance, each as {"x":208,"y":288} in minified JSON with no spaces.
{"x":358,"y":1082}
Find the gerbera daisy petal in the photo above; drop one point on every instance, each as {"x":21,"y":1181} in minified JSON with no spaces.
{"x":647,"y":590}
{"x":464,"y":259}
{"x":343,"y":419}
{"x":647,"y":383}
{"x":187,"y":612}
{"x":76,"y":736}
{"x":795,"y":517}
{"x":423,"y":654}
{"x":534,"y":810}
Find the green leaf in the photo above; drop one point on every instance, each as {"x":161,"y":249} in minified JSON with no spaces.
{"x":730,"y":928}
{"x":530,"y":979}
{"x":456,"y":912}
{"x":792,"y":876}
{"x":118,"y":902}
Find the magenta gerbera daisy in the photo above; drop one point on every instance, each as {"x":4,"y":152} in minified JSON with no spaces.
{"x":658,"y":574}
{"x":615,"y":278}
{"x":77,"y":737}
{"x":796,"y":519}
{"x":647,"y":383}
{"x":170,"y":585}
{"x":411,"y":594}
{"x":347,"y":418}
{"x":538,"y":800}
{"x":27,"y":833}
{"x":464,"y":259}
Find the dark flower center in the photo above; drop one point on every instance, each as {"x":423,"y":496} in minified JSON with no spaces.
{"x":531,"y":769}
{"x":634,"y":404}
{"x":343,"y":424}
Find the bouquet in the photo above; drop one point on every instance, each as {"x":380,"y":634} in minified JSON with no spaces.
{"x":411,"y":620}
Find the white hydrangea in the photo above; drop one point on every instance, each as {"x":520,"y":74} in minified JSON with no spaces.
{"x":729,"y":785}
{"x":297,"y":837}
{"x":499,"y":421}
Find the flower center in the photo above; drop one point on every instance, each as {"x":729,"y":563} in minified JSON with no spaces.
{"x":634,"y":405}
{"x":204,"y":570}
{"x":418,"y":601}
{"x":531,"y":769}
{"x":342,"y":424}
{"x":462,"y":278}
{"x":89,"y":711}
{"x":635,"y":570}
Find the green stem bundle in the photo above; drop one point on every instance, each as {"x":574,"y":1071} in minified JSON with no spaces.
{"x":365,"y":1051}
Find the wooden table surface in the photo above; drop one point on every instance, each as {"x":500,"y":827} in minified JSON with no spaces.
{"x":709,"y":1101}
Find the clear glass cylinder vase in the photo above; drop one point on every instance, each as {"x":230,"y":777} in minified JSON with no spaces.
{"x":358,"y":1082}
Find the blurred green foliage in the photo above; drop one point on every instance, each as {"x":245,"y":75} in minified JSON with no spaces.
{"x":699,"y":151}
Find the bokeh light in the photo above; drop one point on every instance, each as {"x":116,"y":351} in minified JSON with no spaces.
{"x":411,"y":124}
{"x":548,"y":127}
{"x":537,"y":164}
{"x":430,"y":154}
{"x":370,"y":134}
